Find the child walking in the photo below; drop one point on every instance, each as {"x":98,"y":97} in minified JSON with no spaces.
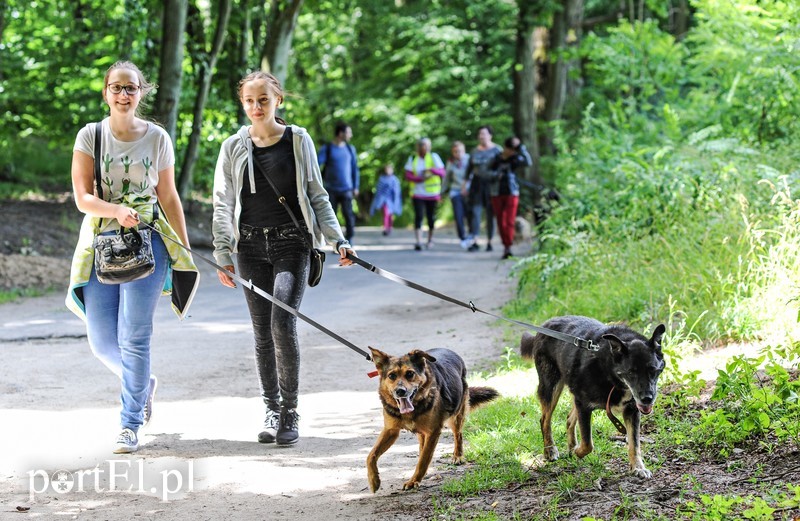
{"x":387,"y":198}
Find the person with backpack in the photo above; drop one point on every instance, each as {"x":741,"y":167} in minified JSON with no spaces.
{"x":340,"y":175}
{"x":504,"y":188}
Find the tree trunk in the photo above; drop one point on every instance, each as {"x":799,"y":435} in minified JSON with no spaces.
{"x":565,"y":33}
{"x":680,"y":24}
{"x":278,"y":42}
{"x":206,"y":69}
{"x":243,"y":52}
{"x":524,"y":107}
{"x":170,"y":75}
{"x":3,"y":9}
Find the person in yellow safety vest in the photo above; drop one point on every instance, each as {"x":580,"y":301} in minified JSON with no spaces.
{"x":425,"y":170}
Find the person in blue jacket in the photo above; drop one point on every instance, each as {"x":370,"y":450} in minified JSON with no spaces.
{"x":340,"y":175}
{"x":387,"y":198}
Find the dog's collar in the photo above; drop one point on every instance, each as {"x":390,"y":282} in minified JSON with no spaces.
{"x":618,"y":424}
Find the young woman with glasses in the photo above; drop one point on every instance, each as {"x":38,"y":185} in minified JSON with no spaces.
{"x":137,"y":175}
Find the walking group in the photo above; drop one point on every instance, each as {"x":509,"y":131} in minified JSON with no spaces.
{"x":259,"y":168}
{"x":275,"y":202}
{"x":484,"y":182}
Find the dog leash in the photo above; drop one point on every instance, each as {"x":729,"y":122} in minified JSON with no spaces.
{"x":558,"y":335}
{"x":252,"y":287}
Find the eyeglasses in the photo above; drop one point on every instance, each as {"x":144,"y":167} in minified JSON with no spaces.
{"x":116,"y":88}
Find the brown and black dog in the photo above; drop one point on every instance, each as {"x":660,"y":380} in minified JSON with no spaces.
{"x":421,"y":392}
{"x":620,"y":376}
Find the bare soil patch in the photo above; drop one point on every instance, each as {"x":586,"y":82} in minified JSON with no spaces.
{"x":38,"y":236}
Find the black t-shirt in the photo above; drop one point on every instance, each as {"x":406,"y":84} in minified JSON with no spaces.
{"x":262,"y":209}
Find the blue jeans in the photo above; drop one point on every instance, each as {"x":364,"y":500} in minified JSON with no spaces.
{"x":475,"y":223}
{"x":345,"y":199}
{"x":479,"y":200}
{"x":275,"y":260}
{"x":459,"y":214}
{"x":119,"y":324}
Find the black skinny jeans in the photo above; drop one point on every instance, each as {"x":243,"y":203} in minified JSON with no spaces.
{"x":275,"y":260}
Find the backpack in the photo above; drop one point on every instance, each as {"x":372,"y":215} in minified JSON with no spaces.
{"x":327,"y":146}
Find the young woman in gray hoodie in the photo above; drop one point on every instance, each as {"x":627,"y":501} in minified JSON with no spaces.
{"x":271,"y":250}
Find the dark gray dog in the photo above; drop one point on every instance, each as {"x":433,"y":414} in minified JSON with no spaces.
{"x":621,"y":376}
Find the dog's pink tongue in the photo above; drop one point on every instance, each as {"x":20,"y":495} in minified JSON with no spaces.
{"x":405,"y":405}
{"x":645,"y":409}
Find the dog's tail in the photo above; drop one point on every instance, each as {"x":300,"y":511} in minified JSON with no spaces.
{"x":481,"y":395}
{"x":526,"y":345}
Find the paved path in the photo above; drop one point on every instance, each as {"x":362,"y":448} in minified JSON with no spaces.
{"x":58,"y":405}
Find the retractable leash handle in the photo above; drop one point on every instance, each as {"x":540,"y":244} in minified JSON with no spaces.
{"x":252,"y":287}
{"x":570,"y":339}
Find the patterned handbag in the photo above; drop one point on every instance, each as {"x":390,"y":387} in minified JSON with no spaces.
{"x":126,"y":255}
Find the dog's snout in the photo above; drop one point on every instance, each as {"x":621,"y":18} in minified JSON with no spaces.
{"x":400,"y":392}
{"x":647,"y":399}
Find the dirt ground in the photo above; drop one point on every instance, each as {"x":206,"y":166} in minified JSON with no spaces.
{"x":37,"y":237}
{"x":199,"y":458}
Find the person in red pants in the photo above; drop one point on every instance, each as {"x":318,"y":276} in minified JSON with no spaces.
{"x":504,"y":188}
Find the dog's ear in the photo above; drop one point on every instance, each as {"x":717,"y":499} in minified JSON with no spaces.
{"x":379,"y":358}
{"x":618,"y":347}
{"x":658,"y":332}
{"x":418,"y":357}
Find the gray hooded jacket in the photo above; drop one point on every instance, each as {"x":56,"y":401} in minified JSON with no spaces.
{"x":235,"y":157}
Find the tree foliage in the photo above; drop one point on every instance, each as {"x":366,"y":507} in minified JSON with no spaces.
{"x":661,"y":149}
{"x":394,"y":70}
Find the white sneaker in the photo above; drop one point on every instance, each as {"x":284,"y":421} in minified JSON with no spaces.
{"x":271,"y":425}
{"x":127,"y":442}
{"x":148,"y":404}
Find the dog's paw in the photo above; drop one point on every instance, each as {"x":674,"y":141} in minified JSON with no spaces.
{"x":411,"y":484}
{"x":581,"y":451}
{"x":458,"y":460}
{"x":374,"y":483}
{"x":550,"y":453}
{"x":642,"y":473}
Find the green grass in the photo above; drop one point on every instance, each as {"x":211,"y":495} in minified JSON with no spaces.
{"x":14,"y":294}
{"x":504,"y":448}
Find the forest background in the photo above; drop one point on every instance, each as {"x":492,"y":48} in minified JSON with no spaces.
{"x":664,"y":135}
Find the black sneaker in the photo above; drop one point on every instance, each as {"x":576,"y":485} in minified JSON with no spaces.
{"x":287,"y":431}
{"x":474,"y":247}
{"x":489,"y":247}
{"x":271,"y":425}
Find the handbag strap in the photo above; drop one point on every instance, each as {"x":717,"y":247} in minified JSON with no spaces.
{"x":282,"y":200}
{"x":97,"y":139}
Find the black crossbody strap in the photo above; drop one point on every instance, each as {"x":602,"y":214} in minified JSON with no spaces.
{"x":97,"y":139}
{"x":282,"y":200}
